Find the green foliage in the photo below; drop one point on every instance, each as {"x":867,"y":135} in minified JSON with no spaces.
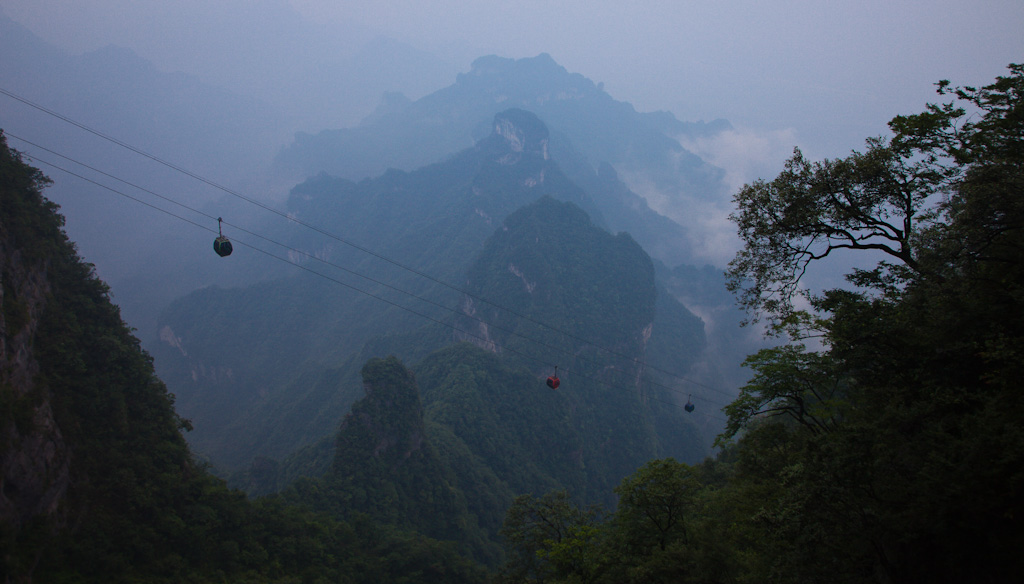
{"x":791,"y":381}
{"x":673,"y":524}
{"x":549,"y":538}
{"x":135,"y":507}
{"x":450,"y":470}
{"x":386,"y":467}
{"x":655,"y":504}
{"x":899,"y":455}
{"x":877,"y":200}
{"x":115,"y":417}
{"x":32,"y":223}
{"x":511,"y":423}
{"x":915,"y":475}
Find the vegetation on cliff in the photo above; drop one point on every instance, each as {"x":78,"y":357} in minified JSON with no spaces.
{"x":133,"y":505}
{"x":893,"y":453}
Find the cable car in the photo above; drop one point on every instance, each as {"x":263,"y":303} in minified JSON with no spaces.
{"x":221,"y":245}
{"x":553,"y":381}
{"x":689,"y":405}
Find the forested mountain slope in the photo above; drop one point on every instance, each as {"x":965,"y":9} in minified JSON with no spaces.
{"x":445,"y":444}
{"x":266,"y":369}
{"x":98,"y":484}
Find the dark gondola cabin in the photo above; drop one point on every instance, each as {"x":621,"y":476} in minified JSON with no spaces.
{"x":689,"y":405}
{"x":221,"y":245}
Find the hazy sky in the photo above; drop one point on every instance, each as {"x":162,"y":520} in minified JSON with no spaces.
{"x":821,"y":74}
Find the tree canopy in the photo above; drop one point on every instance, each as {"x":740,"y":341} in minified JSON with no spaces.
{"x":892,"y":452}
{"x":909,"y":416}
{"x":886,"y":198}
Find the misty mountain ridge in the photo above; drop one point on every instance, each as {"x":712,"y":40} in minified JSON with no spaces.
{"x":242,"y":355}
{"x":399,"y":214}
{"x":590,"y":131}
{"x":258,"y":369}
{"x":452,"y":118}
{"x":212,"y":130}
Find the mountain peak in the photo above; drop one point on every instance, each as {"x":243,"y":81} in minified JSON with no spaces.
{"x":528,"y":81}
{"x":490,"y":64}
{"x":387,"y":424}
{"x":522,"y":131}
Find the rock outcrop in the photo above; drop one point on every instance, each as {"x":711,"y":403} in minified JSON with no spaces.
{"x":34,"y":459}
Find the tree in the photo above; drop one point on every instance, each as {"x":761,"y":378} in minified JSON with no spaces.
{"x":789,"y":381}
{"x":905,"y":464}
{"x":655,"y":502}
{"x":547,"y":538}
{"x":876,"y":200}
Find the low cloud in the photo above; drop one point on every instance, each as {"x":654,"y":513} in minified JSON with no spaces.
{"x":745,"y":155}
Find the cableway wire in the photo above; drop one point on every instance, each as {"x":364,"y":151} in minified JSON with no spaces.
{"x":454,"y":311}
{"x":331,"y":279}
{"x":306,"y":254}
{"x":340,"y":239}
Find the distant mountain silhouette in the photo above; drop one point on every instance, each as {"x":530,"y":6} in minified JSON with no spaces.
{"x":590,"y":131}
{"x":407,"y":135}
{"x":258,"y":369}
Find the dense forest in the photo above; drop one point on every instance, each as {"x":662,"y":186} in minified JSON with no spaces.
{"x":98,"y":482}
{"x":881,"y":441}
{"x":884,"y":440}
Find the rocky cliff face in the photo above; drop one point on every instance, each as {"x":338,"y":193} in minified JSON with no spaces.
{"x":92,"y":460}
{"x":34,"y":459}
{"x":34,"y":462}
{"x":523,"y":132}
{"x":387,"y":423}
